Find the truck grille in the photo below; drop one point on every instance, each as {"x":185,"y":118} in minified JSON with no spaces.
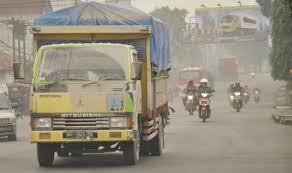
{"x":81,"y":123}
{"x":8,"y":128}
{"x":4,"y":121}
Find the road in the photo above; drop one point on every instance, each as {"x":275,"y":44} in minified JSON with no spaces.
{"x":246,"y":142}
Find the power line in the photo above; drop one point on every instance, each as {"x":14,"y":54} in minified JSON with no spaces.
{"x":60,"y":3}
{"x":37,"y":2}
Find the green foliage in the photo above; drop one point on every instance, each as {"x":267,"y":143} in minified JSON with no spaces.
{"x":281,"y":56}
{"x":266,"y":7}
{"x":174,"y":19}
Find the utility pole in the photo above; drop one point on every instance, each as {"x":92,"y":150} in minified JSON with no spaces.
{"x":24,"y":52}
{"x":13,"y":39}
{"x":19,"y":32}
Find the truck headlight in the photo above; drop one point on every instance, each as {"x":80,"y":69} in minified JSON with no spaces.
{"x":119,"y":122}
{"x":45,"y":123}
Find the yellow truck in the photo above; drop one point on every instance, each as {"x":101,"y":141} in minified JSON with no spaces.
{"x":95,"y":97}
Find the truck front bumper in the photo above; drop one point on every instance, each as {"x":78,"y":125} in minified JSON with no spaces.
{"x":102,"y":136}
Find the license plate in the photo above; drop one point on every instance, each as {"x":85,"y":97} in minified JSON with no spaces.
{"x":80,"y":134}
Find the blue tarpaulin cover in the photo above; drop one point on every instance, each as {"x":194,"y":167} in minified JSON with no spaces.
{"x":94,"y":13}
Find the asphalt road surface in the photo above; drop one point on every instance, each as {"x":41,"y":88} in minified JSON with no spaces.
{"x":246,"y":142}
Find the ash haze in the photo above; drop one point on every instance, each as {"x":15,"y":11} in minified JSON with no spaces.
{"x":190,"y":5}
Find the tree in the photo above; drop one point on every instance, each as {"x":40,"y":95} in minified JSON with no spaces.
{"x":281,"y":56}
{"x":266,"y":6}
{"x":174,"y":19}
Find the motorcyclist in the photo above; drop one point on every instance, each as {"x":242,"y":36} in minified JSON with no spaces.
{"x":237,"y":88}
{"x":252,"y":75}
{"x":246,"y":94}
{"x":204,"y":88}
{"x":257,"y":90}
{"x":190,"y":88}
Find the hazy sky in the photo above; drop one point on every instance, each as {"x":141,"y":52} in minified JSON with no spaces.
{"x":149,"y":5}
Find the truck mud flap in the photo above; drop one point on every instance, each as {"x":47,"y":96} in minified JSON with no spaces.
{"x":150,"y":129}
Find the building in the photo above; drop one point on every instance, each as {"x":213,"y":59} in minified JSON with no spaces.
{"x":17,"y":10}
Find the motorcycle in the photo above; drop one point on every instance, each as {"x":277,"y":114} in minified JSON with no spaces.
{"x":204,"y":106}
{"x":257,"y":96}
{"x":191,"y":103}
{"x":237,"y":102}
{"x":246,"y":97}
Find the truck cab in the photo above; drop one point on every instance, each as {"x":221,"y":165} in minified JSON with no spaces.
{"x":95,"y":97}
{"x":84,"y":93}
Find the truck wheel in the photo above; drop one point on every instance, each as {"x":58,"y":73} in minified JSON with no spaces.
{"x":157,"y":142}
{"x":62,"y":153}
{"x":45,"y":153}
{"x":131,"y":152}
{"x":12,"y":137}
{"x":76,"y":154}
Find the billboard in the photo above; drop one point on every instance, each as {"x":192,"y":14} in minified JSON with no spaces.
{"x":237,"y":22}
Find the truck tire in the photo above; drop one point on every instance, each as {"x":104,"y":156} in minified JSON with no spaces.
{"x":145,"y":148}
{"x":157,"y":142}
{"x":76,"y":154}
{"x":12,"y":137}
{"x":45,"y":153}
{"x":131,"y":152}
{"x":63,"y":153}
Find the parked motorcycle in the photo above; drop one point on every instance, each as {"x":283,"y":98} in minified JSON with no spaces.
{"x":204,"y":106}
{"x":191,"y":103}
{"x":237,"y":101}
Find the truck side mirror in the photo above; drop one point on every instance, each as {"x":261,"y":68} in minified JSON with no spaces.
{"x":18,"y":70}
{"x":136,"y":71}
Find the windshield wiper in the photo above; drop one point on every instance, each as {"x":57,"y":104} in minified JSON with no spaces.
{"x":112,"y":78}
{"x":102,"y":78}
{"x":54,"y":83}
{"x":91,"y":83}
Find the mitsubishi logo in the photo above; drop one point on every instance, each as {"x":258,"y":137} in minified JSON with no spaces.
{"x":80,"y":103}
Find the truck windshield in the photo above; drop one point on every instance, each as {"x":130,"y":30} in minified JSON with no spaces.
{"x":83,"y":63}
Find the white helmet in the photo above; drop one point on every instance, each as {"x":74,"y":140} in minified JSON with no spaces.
{"x":204,"y":81}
